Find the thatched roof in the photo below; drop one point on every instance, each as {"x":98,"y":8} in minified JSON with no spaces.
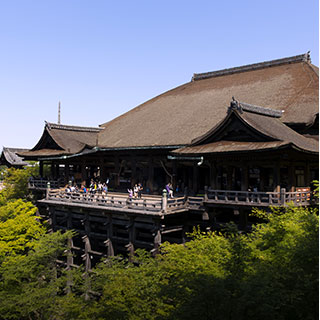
{"x":180,"y":115}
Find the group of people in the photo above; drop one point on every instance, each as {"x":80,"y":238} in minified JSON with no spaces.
{"x":94,"y":187}
{"x":102,"y":188}
{"x":136,"y":191}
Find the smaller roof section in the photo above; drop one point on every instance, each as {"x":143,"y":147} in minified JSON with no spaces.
{"x":248,"y":128}
{"x":9,"y":157}
{"x":58,"y":139}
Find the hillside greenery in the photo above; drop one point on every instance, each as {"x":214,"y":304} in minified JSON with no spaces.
{"x":269,"y":273}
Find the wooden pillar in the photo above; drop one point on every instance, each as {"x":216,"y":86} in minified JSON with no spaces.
{"x":52,"y":170}
{"x":307,"y":179}
{"x":292,"y":179}
{"x":157,"y":238}
{"x":276,"y":176}
{"x":108,"y":242}
{"x":133,"y":171}
{"x":213,"y":175}
{"x":41,"y":168}
{"x":69,"y":265}
{"x":57,"y":171}
{"x":83,"y":171}
{"x":132,"y":238}
{"x":117,"y":171}
{"x":66,"y":172}
{"x":87,"y":259}
{"x":195,"y":179}
{"x":102,"y":173}
{"x":244,"y":177}
{"x":174,"y":174}
{"x":86,"y":222}
{"x":150,"y":174}
{"x":229,"y":177}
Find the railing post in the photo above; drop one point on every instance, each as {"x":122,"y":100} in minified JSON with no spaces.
{"x":206,"y":193}
{"x":282,"y":196}
{"x":164,"y":200}
{"x":48,"y":190}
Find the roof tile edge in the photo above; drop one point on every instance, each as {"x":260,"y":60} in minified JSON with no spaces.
{"x":256,"y":66}
{"x":73,"y":128}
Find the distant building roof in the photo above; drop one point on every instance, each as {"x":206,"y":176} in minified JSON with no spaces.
{"x":9,"y":157}
{"x":58,"y":139}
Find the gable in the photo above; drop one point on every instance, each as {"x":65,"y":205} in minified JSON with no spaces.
{"x":233,"y":128}
{"x":46,"y":142}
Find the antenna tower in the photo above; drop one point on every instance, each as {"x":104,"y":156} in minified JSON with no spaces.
{"x":59,"y":109}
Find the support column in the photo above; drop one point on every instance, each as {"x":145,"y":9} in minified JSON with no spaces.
{"x":108,"y":242}
{"x":83,"y":171}
{"x":291,"y":178}
{"x":132,"y":238}
{"x":307,"y":179}
{"x":101,"y":165}
{"x":66,"y":172}
{"x":244,"y":178}
{"x":213,"y":175}
{"x":276,"y":176}
{"x":195,"y":178}
{"x":133,"y":171}
{"x":86,"y":257}
{"x":174,"y":174}
{"x":150,"y":174}
{"x":157,"y":238}
{"x":56,"y":171}
{"x":117,"y":171}
{"x":52,"y":170}
{"x":41,"y":168}
{"x":229,"y":177}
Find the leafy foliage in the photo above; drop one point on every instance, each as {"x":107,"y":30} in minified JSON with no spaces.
{"x":19,"y":228}
{"x":16,"y":184}
{"x":269,"y":273}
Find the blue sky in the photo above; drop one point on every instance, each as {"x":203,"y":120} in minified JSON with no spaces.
{"x":102,"y":58}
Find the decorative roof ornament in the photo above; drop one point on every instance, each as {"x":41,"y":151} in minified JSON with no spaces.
{"x":242,"y":106}
{"x":235,"y":105}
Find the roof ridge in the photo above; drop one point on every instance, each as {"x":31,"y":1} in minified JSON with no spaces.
{"x":72,"y":127}
{"x":255,"y":66}
{"x":243,"y":106}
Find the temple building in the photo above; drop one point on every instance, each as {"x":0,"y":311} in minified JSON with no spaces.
{"x":227,"y":141}
{"x":191,"y":136}
{"x":9,"y":157}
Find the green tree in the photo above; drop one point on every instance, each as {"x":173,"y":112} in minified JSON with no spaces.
{"x":19,"y":228}
{"x":270,"y":273}
{"x":16,"y":184}
{"x":31,"y":286}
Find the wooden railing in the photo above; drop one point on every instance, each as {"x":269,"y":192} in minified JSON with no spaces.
{"x":299,"y":198}
{"x":44,"y":184}
{"x":156,"y":204}
{"x":167,"y":205}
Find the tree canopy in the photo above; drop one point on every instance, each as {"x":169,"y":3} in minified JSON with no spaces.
{"x":268,"y":273}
